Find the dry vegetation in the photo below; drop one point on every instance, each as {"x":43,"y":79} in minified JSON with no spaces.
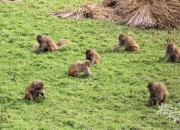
{"x":135,"y":13}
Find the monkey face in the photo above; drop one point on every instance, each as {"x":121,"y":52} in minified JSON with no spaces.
{"x":170,"y":47}
{"x":89,"y":54}
{"x":122,"y":37}
{"x":151,"y":87}
{"x":40,"y":39}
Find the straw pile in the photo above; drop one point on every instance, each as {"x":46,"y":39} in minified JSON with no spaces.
{"x":135,"y":13}
{"x":88,"y":10}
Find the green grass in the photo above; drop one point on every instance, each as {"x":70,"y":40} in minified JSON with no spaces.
{"x":114,"y":98}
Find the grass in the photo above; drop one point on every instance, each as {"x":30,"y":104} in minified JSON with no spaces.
{"x":114,"y":98}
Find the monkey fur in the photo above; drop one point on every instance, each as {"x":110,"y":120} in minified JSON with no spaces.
{"x":128,"y":42}
{"x":172,"y":52}
{"x":158,"y":93}
{"x":93,"y":56}
{"x":80,"y":66}
{"x":35,"y":88}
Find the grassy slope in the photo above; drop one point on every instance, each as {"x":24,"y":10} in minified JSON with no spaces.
{"x":114,"y":98}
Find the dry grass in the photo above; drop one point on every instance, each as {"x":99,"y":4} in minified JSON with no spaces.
{"x":135,"y":13}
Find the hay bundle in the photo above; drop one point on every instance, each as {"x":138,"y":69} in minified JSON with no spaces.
{"x":88,"y":10}
{"x":149,"y":13}
{"x":135,"y":13}
{"x":109,"y":3}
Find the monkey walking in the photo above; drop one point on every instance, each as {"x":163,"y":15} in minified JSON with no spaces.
{"x":128,"y":42}
{"x":93,"y":56}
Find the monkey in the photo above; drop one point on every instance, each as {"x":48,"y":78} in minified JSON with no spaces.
{"x":48,"y":44}
{"x":158,"y":93}
{"x":35,"y":88}
{"x":172,"y":52}
{"x":60,"y":43}
{"x":80,"y":66}
{"x":93,"y":56}
{"x":45,"y":44}
{"x":128,"y":42}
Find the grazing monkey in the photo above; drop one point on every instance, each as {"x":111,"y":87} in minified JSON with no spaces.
{"x":93,"y":56}
{"x":60,"y":43}
{"x":172,"y":52}
{"x":80,"y":66}
{"x":45,"y":44}
{"x":128,"y":42}
{"x":158,"y":93}
{"x":35,"y":88}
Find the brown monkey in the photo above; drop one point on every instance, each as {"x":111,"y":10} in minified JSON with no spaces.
{"x":93,"y":56}
{"x":128,"y":42}
{"x":158,"y":93}
{"x":172,"y":52}
{"x":35,"y":88}
{"x":61,"y":43}
{"x":80,"y":66}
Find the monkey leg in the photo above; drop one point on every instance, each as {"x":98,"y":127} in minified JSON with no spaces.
{"x":163,"y":100}
{"x":75,"y":74}
{"x":43,"y":94}
{"x":175,"y":59}
{"x":166,"y":58}
{"x":29,"y":96}
{"x":133,"y":48}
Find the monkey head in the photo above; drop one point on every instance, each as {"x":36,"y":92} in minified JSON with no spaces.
{"x":87,"y":63}
{"x":89,"y":53}
{"x":122,"y":39}
{"x":171,"y":47}
{"x":151,"y":87}
{"x":40,"y":39}
{"x":38,"y":86}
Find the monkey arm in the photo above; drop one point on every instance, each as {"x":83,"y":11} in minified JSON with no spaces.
{"x":42,"y":48}
{"x":88,"y":72}
{"x":39,"y":50}
{"x":167,"y":57}
{"x":117,"y":47}
{"x":42,"y":93}
{"x":93,"y":59}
